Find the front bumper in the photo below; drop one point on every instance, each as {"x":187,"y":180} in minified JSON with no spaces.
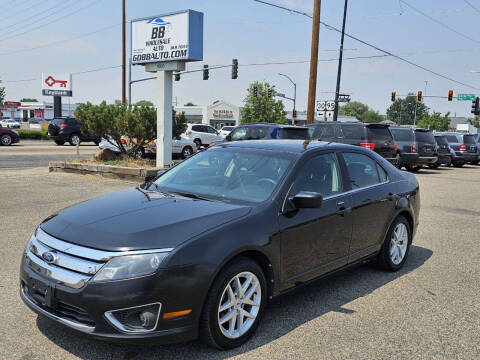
{"x":84,"y":309}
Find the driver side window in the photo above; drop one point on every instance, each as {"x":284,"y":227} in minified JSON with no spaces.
{"x":320,"y":174}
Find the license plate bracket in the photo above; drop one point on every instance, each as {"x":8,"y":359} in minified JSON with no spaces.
{"x":43,"y":292}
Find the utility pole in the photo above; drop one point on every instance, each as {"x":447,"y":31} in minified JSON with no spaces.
{"x":124,"y":55}
{"x":340,"y":58}
{"x":312,"y":83}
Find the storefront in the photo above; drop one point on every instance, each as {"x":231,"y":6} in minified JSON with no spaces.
{"x":220,"y":113}
{"x":44,"y":110}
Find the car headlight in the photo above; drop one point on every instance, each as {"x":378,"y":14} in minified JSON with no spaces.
{"x":130,"y":266}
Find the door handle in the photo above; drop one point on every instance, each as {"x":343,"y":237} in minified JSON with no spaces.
{"x":342,"y":210}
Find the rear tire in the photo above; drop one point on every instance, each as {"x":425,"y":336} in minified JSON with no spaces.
{"x":396,"y":245}
{"x":6,"y":140}
{"x":60,"y":143}
{"x":433,"y":166}
{"x":413,"y":168}
{"x":458,"y":165}
{"x":223,"y":292}
{"x":187,"y":151}
{"x":474,"y":162}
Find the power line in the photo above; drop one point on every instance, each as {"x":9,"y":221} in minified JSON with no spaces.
{"x":473,"y":7}
{"x":329,"y":27}
{"x":55,"y":20}
{"x":441,"y":23}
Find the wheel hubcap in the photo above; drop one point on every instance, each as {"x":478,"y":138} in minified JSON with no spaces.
{"x":239,"y":305}
{"x":398,"y":243}
{"x":75,"y":140}
{"x":6,"y":140}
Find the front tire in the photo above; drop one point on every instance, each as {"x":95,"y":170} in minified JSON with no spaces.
{"x":60,"y":143}
{"x":396,"y":245}
{"x":433,"y":166}
{"x":74,"y":140}
{"x":458,"y":165}
{"x":474,"y":162}
{"x":187,"y":151}
{"x":198,"y":142}
{"x":234,"y":305}
{"x":413,"y":168}
{"x":6,"y":140}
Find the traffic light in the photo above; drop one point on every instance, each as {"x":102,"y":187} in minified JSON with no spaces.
{"x":419,"y":96}
{"x":205,"y":72}
{"x":393,"y":98}
{"x":177,"y":77}
{"x":450,"y":95}
{"x":294,"y":113}
{"x":255,"y":90}
{"x":476,"y":106}
{"x":234,"y":68}
{"x":270,"y":92}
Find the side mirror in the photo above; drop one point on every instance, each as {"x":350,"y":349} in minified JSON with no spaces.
{"x":228,"y":138}
{"x":304,"y":199}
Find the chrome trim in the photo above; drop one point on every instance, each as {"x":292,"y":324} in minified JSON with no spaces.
{"x":69,"y":323}
{"x":119,"y":326}
{"x":63,"y":276}
{"x":65,"y":261}
{"x":86,"y":252}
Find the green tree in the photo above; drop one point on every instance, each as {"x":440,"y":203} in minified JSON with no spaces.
{"x":474,"y":121}
{"x":361,"y":111}
{"x":189,"y":104}
{"x":403,"y":111}
{"x":144,"y":103}
{"x":262,"y":109}
{"x":179,"y":124}
{"x":28,"y":100}
{"x":435,"y":121}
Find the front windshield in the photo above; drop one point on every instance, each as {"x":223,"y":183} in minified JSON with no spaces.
{"x":228,"y":174}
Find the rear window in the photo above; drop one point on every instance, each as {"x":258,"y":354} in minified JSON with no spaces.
{"x":451,"y":138}
{"x":227,"y":128}
{"x":294,"y":133}
{"x":378,"y":133}
{"x":315,"y":131}
{"x":353,"y":132}
{"x":469,"y":139}
{"x":402,"y":134}
{"x":425,"y":136}
{"x":441,"y":140}
{"x":58,"y":122}
{"x":249,"y":133}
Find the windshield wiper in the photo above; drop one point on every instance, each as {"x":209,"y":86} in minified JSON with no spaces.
{"x":157,"y":188}
{"x":191,"y":196}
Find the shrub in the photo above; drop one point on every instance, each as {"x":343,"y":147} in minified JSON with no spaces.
{"x":32,"y":134}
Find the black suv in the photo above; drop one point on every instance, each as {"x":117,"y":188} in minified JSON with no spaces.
{"x":464,"y":148}
{"x":444,"y":156}
{"x":68,"y":129}
{"x":376,"y":137}
{"x":416,"y":147}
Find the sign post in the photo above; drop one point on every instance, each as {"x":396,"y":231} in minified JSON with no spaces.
{"x":57,"y":85}
{"x":163,"y":44}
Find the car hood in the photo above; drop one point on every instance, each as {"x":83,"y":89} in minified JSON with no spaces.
{"x":132,"y":220}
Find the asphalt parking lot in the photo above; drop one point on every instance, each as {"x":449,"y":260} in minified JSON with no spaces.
{"x":428,"y":310}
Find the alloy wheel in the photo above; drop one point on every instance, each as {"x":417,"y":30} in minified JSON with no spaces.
{"x":398,"y":243}
{"x":239,"y":305}
{"x":75,"y":139}
{"x":186,"y":152}
{"x":6,"y":139}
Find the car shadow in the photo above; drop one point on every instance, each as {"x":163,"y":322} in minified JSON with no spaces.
{"x":283,"y":315}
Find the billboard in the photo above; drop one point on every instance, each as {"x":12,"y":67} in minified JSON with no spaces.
{"x":57,"y":84}
{"x":170,"y":37}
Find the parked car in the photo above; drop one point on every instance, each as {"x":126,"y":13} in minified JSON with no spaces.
{"x":464,"y":146}
{"x":180,"y":147}
{"x":202,"y":134}
{"x":444,"y":152}
{"x":10,"y":124}
{"x":36,"y":123}
{"x":68,"y":129}
{"x":8,"y":137}
{"x":426,"y":147}
{"x":200,"y":251}
{"x":375,"y":137}
{"x":406,"y":146}
{"x":224,"y":131}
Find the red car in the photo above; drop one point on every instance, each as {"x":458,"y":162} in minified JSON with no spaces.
{"x":8,"y":137}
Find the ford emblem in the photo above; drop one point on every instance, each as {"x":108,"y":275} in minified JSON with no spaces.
{"x":48,"y":257}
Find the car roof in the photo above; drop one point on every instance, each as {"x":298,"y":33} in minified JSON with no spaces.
{"x":293,"y":146}
{"x":283,"y":126}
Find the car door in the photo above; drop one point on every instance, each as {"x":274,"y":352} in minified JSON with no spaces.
{"x":316,"y":240}
{"x":212,"y":134}
{"x":373,"y":203}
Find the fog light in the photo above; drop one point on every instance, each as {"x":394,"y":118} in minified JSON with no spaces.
{"x":138,"y":319}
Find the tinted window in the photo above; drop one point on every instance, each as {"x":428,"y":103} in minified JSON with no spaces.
{"x":378,"y":133}
{"x":58,"y":122}
{"x":353,"y":132}
{"x":441,"y":140}
{"x":382,"y":174}
{"x":249,"y":133}
{"x":315,"y":131}
{"x":469,"y":139}
{"x":451,"y":138}
{"x":294,"y":133}
{"x":198,"y":128}
{"x":402,"y":134}
{"x":319,"y":174}
{"x":424,"y":136}
{"x":361,"y":169}
{"x":227,"y":128}
{"x":228,"y":174}
{"x":328,"y":132}
{"x":211,"y":130}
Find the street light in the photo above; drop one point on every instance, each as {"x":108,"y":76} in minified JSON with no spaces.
{"x":294,"y":95}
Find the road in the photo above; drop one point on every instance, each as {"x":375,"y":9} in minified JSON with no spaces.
{"x":34,"y":153}
{"x":428,"y":310}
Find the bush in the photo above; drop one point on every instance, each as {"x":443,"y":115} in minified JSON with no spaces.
{"x":32,"y":134}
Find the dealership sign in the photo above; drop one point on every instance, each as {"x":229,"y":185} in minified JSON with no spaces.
{"x":57,"y":84}
{"x":170,"y":37}
{"x":222,"y":113}
{"x":12,"y":104}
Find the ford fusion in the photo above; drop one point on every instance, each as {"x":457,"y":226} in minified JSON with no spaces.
{"x":199,"y":251}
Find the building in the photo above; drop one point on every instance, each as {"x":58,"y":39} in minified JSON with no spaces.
{"x":220,"y":113}
{"x":455,"y":120}
{"x":28,"y":110}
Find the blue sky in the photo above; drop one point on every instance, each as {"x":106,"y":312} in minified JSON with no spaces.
{"x":252,"y":33}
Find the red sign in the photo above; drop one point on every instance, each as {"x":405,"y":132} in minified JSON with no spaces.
{"x":223,"y":113}
{"x":50,"y":81}
{"x":11,"y":104}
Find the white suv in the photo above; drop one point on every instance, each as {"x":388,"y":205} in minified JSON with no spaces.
{"x":202,"y":134}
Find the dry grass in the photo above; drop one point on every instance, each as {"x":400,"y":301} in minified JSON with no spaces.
{"x":123,"y":162}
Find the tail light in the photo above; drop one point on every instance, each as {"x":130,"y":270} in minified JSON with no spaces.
{"x":189,"y":132}
{"x":414,"y":147}
{"x":63,"y":126}
{"x":123,"y":141}
{"x":367,"y":145}
{"x":395,"y":147}
{"x":462,"y":147}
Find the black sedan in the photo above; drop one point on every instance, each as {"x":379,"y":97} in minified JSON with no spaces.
{"x":199,"y":251}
